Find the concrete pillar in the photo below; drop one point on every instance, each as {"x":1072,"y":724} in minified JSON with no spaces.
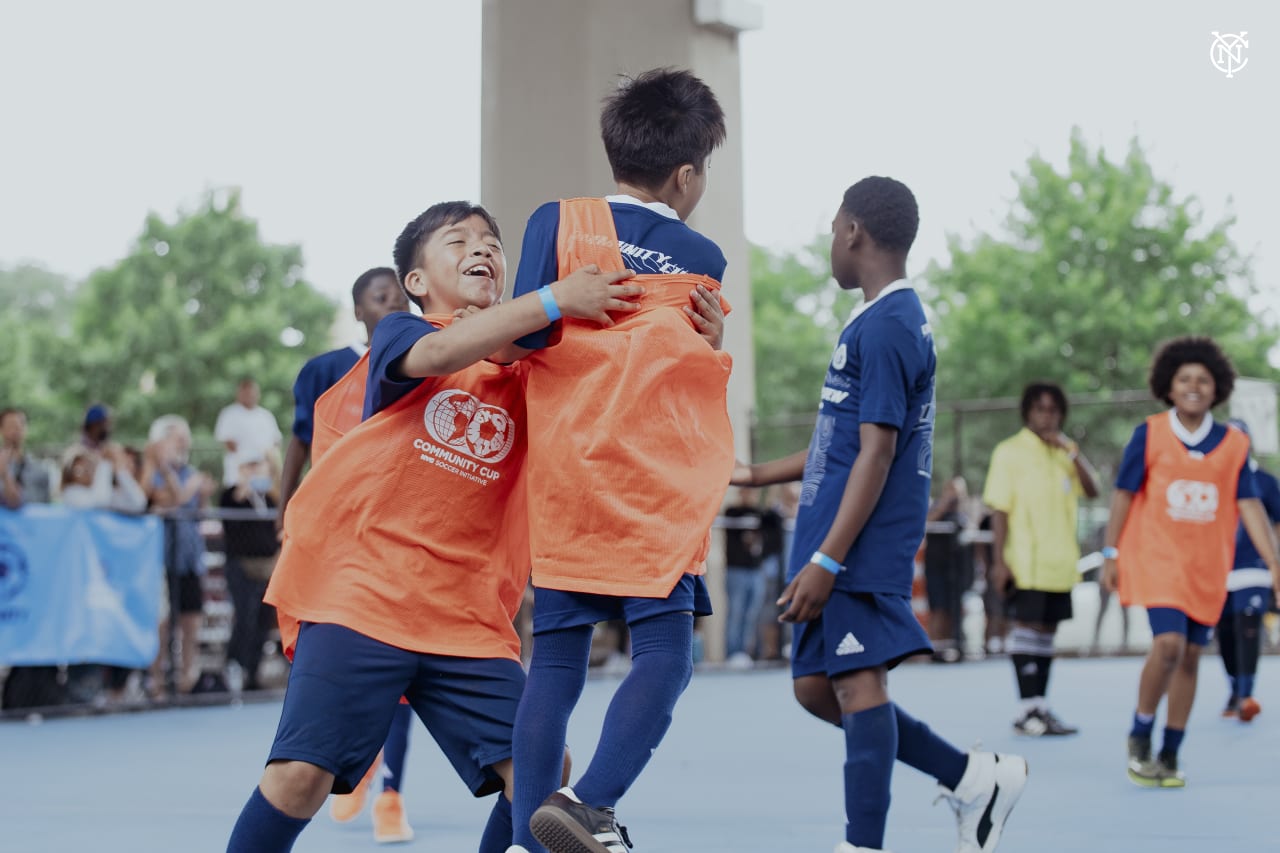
{"x":546,"y":67}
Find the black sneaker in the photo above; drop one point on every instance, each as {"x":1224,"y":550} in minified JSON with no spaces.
{"x":1029,"y":725}
{"x":565,"y":824}
{"x":1054,"y":726}
{"x":1170,"y":775}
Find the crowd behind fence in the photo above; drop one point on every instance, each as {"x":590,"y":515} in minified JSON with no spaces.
{"x":959,"y":555}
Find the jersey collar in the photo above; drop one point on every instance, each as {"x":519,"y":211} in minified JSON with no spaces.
{"x":656,"y":206}
{"x":1190,"y":438}
{"x":893,"y":287}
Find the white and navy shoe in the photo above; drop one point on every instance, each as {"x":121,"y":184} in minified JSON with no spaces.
{"x":565,"y":824}
{"x":982,"y":801}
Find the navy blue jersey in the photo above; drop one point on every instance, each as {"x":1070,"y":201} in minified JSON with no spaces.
{"x":317,"y":376}
{"x":882,"y":372}
{"x":651,"y":241}
{"x":1247,"y":556}
{"x":394,"y":336}
{"x":1133,"y":465}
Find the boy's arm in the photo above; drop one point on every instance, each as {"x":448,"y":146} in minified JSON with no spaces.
{"x":586,"y":294}
{"x":785,"y":470}
{"x":808,"y":593}
{"x":296,"y":455}
{"x":1258,"y":526}
{"x":1121,"y":501}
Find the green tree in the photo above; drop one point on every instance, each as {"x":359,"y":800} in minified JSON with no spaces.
{"x":199,"y":302}
{"x":797,"y":315}
{"x":36,"y":314}
{"x":1098,"y":263}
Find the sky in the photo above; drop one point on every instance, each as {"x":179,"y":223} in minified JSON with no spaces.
{"x":341,"y":123}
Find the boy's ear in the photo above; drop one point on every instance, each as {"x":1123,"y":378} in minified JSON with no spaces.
{"x":416,"y":283}
{"x":684,"y":175}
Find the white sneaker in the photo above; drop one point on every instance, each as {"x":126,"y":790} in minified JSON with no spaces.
{"x":740,"y":661}
{"x":982,"y":801}
{"x":516,"y":848}
{"x":846,"y":847}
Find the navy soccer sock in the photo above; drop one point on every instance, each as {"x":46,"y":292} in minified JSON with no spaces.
{"x":497,"y":832}
{"x":557,"y":673}
{"x":395,"y":748}
{"x":263,"y":828}
{"x":1142,"y":725}
{"x":1172,"y":741}
{"x":871,"y":742}
{"x":640,"y":712}
{"x":920,"y":747}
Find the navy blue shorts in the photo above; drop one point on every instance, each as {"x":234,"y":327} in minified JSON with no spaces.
{"x":554,"y":609}
{"x":858,"y":630}
{"x":344,"y":688}
{"x":1170,"y":620}
{"x":1254,"y":599}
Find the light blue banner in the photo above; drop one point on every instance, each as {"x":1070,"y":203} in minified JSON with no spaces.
{"x":79,"y":586}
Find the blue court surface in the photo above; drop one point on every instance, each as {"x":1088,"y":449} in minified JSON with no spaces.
{"x":742,"y":770}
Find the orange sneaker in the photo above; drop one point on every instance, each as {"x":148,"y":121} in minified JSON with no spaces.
{"x":1249,"y":708}
{"x":389,"y":822}
{"x":345,"y":808}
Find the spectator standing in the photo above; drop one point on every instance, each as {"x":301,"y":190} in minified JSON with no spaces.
{"x":96,"y":431}
{"x":23,"y":479}
{"x":947,"y":571}
{"x":178,"y":491}
{"x":1033,"y":488}
{"x":251,"y":547}
{"x":245,"y":429}
{"x":744,"y":577}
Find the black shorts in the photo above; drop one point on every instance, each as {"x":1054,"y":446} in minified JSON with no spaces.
{"x":1039,"y":607}
{"x":186,"y":593}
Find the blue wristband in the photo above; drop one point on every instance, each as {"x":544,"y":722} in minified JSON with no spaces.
{"x":1110,"y":553}
{"x":549,"y":303}
{"x":826,"y":562}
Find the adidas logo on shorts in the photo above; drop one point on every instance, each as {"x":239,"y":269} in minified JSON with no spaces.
{"x":850,"y":645}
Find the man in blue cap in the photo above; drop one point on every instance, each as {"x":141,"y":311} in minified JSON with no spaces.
{"x":97,"y":427}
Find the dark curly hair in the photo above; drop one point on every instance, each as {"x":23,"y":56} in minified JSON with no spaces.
{"x":1036,"y":390}
{"x":887,"y":209}
{"x":657,"y":122}
{"x":1174,"y":353}
{"x":419,"y":231}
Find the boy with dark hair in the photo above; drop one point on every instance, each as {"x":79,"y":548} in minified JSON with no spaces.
{"x":1034,"y":486}
{"x":1183,"y":483}
{"x":399,"y":560}
{"x":649,"y":454}
{"x":863,"y":504}
{"x":1249,"y":597}
{"x":375,"y":294}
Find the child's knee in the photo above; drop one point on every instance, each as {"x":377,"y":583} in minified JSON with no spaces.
{"x":1169,"y":650}
{"x":297,"y":788}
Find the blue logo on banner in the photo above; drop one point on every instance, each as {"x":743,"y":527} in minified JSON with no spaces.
{"x":13,"y":571}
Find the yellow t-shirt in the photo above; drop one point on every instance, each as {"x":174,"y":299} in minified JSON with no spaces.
{"x":1038,"y":488}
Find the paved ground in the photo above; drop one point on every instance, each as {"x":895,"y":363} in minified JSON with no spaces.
{"x":742,"y":770}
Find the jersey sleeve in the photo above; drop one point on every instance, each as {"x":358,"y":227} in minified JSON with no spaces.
{"x":222,"y":429}
{"x":538,"y":264}
{"x":1247,"y":485}
{"x":887,"y":357}
{"x":305,"y":394}
{"x":1133,"y":465}
{"x":997,"y":493}
{"x":394,"y":336}
{"x":1270,"y":489}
